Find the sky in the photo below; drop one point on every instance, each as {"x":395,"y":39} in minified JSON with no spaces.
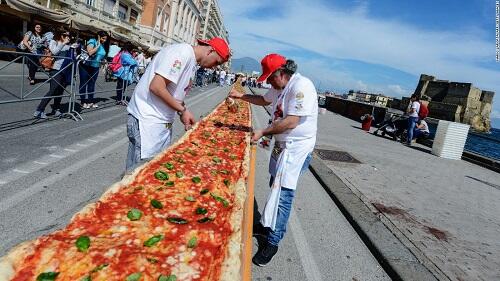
{"x":377,"y":46}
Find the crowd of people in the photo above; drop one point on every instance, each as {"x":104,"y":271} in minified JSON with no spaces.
{"x":53,"y":51}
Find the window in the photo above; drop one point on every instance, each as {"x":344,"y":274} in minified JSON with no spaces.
{"x":90,"y":2}
{"x":158,"y":18}
{"x":122,"y":12}
{"x":108,"y":6}
{"x":133,"y":16}
{"x":165,"y":24}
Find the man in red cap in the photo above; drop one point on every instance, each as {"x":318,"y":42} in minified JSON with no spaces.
{"x":160,"y":94}
{"x":294,"y":124}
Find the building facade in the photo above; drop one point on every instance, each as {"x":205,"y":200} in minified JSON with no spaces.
{"x":151,"y":24}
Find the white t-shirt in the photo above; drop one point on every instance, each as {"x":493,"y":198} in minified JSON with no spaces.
{"x":298,"y":98}
{"x":415,"y":105}
{"x":425,"y":127}
{"x":176,"y":63}
{"x":222,"y":74}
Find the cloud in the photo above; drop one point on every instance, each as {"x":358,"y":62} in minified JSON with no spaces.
{"x":335,"y":34}
{"x":495,"y":114}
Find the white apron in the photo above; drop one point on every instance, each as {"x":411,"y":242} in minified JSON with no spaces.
{"x":285,"y":167}
{"x":155,"y":137}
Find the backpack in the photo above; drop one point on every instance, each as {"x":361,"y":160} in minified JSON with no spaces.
{"x":116,"y":63}
{"x":423,"y":112}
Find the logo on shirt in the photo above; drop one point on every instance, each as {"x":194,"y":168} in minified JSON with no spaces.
{"x":176,"y":67}
{"x":299,"y":100}
{"x":299,"y":96}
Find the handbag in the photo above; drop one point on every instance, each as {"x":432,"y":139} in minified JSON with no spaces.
{"x":47,"y":61}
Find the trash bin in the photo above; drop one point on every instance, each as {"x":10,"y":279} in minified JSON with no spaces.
{"x":366,"y":122}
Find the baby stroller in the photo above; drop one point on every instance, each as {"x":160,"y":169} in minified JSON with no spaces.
{"x":395,"y":127}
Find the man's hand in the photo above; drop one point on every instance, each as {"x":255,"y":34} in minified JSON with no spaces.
{"x":257,"y":134}
{"x":188,"y":120}
{"x":235,"y":94}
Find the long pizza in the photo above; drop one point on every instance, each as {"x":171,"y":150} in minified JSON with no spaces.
{"x":178,"y":217}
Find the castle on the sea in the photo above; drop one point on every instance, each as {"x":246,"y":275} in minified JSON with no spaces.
{"x":455,"y":101}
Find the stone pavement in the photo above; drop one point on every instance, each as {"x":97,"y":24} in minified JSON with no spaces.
{"x":445,"y":211}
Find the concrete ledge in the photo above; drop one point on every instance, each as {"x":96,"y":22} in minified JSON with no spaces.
{"x":393,"y":256}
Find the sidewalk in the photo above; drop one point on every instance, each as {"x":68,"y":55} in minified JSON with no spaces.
{"x":444,"y":211}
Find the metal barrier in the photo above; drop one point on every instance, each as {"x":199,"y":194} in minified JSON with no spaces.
{"x":74,"y":66}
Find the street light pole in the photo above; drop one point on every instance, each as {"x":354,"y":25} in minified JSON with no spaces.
{"x":154,"y":26}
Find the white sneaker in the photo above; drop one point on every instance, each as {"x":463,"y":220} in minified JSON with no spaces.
{"x":40,"y":115}
{"x":57,"y":113}
{"x":94,"y":105}
{"x":85,"y":105}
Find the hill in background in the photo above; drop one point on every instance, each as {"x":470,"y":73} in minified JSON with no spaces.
{"x":246,"y":65}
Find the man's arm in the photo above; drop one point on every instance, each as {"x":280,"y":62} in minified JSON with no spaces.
{"x":158,"y":87}
{"x":290,"y":122}
{"x":254,"y":99}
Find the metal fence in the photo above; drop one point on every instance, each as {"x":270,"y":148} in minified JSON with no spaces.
{"x":14,"y":88}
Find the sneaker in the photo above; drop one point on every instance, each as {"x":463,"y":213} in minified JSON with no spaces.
{"x":39,"y":115}
{"x":86,"y":105}
{"x":57,"y":113}
{"x":265,"y":255}
{"x":259,"y":231}
{"x":94,"y":105}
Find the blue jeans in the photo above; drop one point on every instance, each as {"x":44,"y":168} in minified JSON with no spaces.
{"x":88,"y":78}
{"x":419,"y":133}
{"x":412,"y":121}
{"x":284,"y":208}
{"x":134,"y":145}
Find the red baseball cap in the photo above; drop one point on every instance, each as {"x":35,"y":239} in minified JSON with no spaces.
{"x":219,"y":45}
{"x":270,"y":64}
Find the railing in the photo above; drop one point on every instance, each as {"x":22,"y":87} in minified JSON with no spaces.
{"x":13,"y":88}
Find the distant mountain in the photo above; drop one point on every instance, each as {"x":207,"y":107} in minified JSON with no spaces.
{"x":245,"y":64}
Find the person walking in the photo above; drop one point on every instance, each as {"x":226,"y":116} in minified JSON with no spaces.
{"x":412,"y":111}
{"x":222,"y":77}
{"x":125,"y":74}
{"x":160,"y":94}
{"x":89,"y":69}
{"x":31,"y":43}
{"x":60,"y":48}
{"x":294,"y":124}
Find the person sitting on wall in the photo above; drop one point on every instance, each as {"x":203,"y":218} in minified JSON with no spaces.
{"x":421,"y":130}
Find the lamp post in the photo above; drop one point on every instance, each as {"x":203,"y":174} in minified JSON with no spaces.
{"x":154,"y":27}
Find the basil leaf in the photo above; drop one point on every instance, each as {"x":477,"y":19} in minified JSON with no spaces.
{"x":177,"y":220}
{"x":220,"y":199}
{"x":213,"y":140}
{"x":180,"y":160}
{"x":160,"y":175}
{"x":227,"y":182}
{"x":190,"y":198}
{"x":204,"y":220}
{"x":152,"y":260}
{"x":201,"y":211}
{"x":233,"y":157}
{"x":210,"y":154}
{"x":134,"y":277}
{"x":179,"y":174}
{"x":82,"y":243}
{"x":217,"y":159}
{"x":226,"y":149}
{"x":167,"y":278}
{"x":156,"y":204}
{"x":196,"y":179}
{"x":204,"y":191}
{"x":224,"y":172}
{"x":134,"y":214}
{"x":153,"y":240}
{"x":170,"y":183}
{"x":213,"y":172}
{"x":99,"y":267}
{"x":86,"y":278}
{"x":192,"y":242}
{"x":47,"y":276}
{"x":168,"y":165}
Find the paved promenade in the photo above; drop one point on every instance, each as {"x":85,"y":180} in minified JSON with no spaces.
{"x":51,"y":169}
{"x":445,"y":211}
